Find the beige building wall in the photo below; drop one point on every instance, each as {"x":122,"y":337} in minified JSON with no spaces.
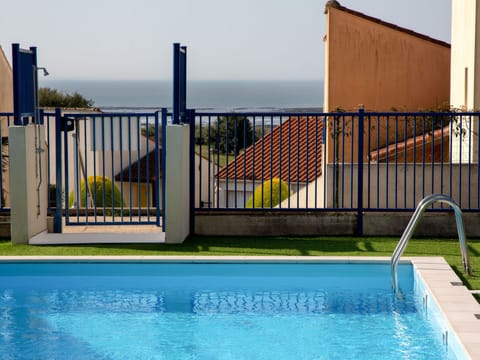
{"x":6,"y":106}
{"x":381,"y":66}
{"x":391,"y":186}
{"x":6,"y":90}
{"x":465,"y":73}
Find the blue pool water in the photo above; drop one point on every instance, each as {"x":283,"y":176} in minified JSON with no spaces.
{"x":212,"y":311}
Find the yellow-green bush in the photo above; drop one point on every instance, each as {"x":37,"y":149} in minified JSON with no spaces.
{"x":274,"y":192}
{"x":99,"y":186}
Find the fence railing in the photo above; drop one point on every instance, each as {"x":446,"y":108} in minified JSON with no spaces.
{"x":111,"y":167}
{"x":271,"y":160}
{"x":351,"y":161}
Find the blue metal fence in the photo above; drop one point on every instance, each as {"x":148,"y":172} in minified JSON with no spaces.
{"x":302,"y":161}
{"x":107,"y":167}
{"x":349,"y":161}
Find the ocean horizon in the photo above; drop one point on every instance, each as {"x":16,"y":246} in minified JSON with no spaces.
{"x":203,"y":95}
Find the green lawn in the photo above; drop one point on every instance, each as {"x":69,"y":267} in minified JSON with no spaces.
{"x":288,"y":246}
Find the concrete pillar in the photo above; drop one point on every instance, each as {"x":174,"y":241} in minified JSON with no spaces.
{"x":465,"y":74}
{"x":28,"y":182}
{"x":177,"y":192}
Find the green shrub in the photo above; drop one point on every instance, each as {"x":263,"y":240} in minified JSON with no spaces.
{"x":97,"y":185}
{"x":48,"y":97}
{"x":274,"y":192}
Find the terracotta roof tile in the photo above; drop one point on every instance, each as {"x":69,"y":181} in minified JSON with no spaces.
{"x":291,"y":151}
{"x":422,"y":142}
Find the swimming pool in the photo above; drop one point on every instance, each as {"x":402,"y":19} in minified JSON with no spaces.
{"x":240,"y":310}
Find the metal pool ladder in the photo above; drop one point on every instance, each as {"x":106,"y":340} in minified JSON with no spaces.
{"x":412,"y":225}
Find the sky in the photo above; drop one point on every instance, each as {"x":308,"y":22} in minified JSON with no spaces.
{"x":226,"y":39}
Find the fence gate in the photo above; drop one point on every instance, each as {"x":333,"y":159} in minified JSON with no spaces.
{"x":109,"y":168}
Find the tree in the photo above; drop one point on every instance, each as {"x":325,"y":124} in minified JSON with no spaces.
{"x":269,"y":194}
{"x":48,"y":97}
{"x":231,"y":134}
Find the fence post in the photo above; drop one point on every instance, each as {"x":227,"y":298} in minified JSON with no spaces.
{"x":164,"y":163}
{"x":191,"y":120}
{"x":57,"y":220}
{"x":361,"y":114}
{"x":179,"y":83}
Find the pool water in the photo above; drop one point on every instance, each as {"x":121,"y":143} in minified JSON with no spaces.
{"x":212,"y":311}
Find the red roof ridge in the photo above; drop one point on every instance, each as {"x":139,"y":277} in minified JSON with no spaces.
{"x":338,"y":6}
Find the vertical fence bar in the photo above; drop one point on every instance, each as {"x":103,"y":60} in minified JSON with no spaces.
{"x":352,"y":158}
{"x":369,"y":162}
{"x":49,"y":142}
{"x":156,"y":191}
{"x":280,"y":146}
{"x":191,"y":120}
{"x":450,"y":157}
{"x":477,"y":120}
{"x":360,"y":172}
{"x":209,"y":168}
{"x":120,"y":138}
{"x":395,"y":203}
{"x":316,"y":162}
{"x":112,"y":166}
{"x":405,"y":128}
{"x":343,"y":160}
{"x":414,"y":177}
{"x":387,"y":143}
{"x":432,"y":151}
{"x":147,"y":164}
{"x":85,"y":157}
{"x":139,"y":175}
{"x":469,"y":158}
{"x":324,"y":158}
{"x":66,"y":162}
{"x":57,"y":220}
{"x":306,"y":160}
{"x":460,"y":160}
{"x":164,"y":163}
{"x":423,"y":155}
{"x":77,"y":177}
{"x":271,"y":163}
{"x":94,"y":131}
{"x":378,"y":161}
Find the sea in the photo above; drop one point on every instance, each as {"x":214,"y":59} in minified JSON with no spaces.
{"x":236,"y":96}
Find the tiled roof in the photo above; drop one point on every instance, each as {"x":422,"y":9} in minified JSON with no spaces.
{"x":337,"y":5}
{"x":427,"y":147}
{"x":291,"y":151}
{"x":146,"y":162}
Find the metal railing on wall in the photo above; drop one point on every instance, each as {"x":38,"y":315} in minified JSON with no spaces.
{"x":349,"y":161}
{"x":282,"y":161}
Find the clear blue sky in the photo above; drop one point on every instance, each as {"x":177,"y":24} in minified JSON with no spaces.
{"x":226,"y":39}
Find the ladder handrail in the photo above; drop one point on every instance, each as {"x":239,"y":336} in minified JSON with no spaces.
{"x":412,"y":225}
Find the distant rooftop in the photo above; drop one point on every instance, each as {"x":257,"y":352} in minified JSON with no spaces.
{"x":291,"y":152}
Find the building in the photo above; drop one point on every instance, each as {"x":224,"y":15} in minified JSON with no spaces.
{"x":383,"y":67}
{"x":292,"y":152}
{"x":465,"y":73}
{"x":6,"y":106}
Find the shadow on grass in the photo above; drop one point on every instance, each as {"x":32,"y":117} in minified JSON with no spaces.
{"x":251,"y":246}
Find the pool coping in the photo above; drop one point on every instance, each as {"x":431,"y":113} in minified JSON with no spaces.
{"x":458,"y":306}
